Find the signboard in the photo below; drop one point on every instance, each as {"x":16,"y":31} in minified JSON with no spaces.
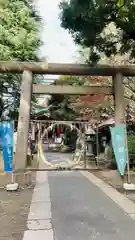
{"x":119,"y":146}
{"x":7,"y":137}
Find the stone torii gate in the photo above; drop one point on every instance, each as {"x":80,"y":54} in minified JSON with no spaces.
{"x":28,"y":88}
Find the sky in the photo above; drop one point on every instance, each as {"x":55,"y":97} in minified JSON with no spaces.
{"x":58,"y":44}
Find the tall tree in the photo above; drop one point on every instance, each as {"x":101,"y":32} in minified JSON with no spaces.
{"x":19,"y":41}
{"x":106,"y":32}
{"x":90,"y":22}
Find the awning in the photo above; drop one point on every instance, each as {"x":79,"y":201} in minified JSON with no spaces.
{"x":108,"y":122}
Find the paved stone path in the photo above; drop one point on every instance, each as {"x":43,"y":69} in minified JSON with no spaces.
{"x":56,"y":158}
{"x":79,"y":210}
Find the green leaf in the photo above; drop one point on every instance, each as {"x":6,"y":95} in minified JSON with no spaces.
{"x":120,"y":3}
{"x":19,"y":40}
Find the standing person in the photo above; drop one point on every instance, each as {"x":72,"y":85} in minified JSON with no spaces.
{"x":59,"y":132}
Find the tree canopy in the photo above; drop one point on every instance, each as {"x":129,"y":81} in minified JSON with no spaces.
{"x":80,"y":107}
{"x":104,"y":26}
{"x":105,"y":31}
{"x":60,"y":105}
{"x":19,"y":40}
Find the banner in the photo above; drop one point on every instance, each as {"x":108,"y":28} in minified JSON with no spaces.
{"x":7,"y":137}
{"x":119,"y":146}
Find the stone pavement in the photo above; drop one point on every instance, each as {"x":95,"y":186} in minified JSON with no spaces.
{"x":62,"y":158}
{"x":67,"y":205}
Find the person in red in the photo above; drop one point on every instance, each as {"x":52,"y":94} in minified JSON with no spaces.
{"x":59,"y":132}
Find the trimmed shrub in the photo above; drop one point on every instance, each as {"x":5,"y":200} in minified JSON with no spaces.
{"x":131,"y":152}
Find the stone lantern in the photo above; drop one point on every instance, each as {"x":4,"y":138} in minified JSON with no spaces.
{"x":89,"y":139}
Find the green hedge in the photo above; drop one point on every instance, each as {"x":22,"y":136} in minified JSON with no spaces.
{"x":131,"y":152}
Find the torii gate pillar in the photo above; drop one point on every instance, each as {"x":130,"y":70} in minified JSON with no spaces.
{"x":23,"y":122}
{"x":119,"y":100}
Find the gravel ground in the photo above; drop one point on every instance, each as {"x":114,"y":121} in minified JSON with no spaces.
{"x":113,"y":178}
{"x":14,"y":209}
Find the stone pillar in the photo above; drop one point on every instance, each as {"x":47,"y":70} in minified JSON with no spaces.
{"x":23,"y":122}
{"x":119,"y":100}
{"x":33,"y":130}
